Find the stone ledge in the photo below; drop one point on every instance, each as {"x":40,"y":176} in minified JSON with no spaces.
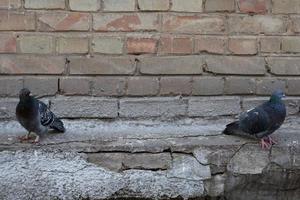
{"x":147,"y":159}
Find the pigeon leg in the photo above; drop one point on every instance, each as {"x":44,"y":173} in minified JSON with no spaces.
{"x":271,"y":141}
{"x":25,"y":137}
{"x":37,"y":139}
{"x":264,"y":144}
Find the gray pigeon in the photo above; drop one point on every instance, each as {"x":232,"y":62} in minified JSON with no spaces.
{"x":35,"y":116}
{"x":261,"y":121}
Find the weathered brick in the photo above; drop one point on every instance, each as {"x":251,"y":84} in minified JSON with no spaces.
{"x":140,"y":86}
{"x":8,"y":108}
{"x":286,"y":6}
{"x":119,"y":5}
{"x":193,"y":24}
{"x":254,"y":6}
{"x":213,"y":106}
{"x":150,"y":5}
{"x":75,"y":85}
{"x":45,"y":4}
{"x":125,"y":22}
{"x":101,"y":65}
{"x":175,"y":45}
{"x":175,"y":85}
{"x":10,"y":4}
{"x":31,"y":64}
{"x":141,"y":45}
{"x":256,"y":24}
{"x":39,"y":44}
{"x":296,"y":24}
{"x":17,"y":21}
{"x":187,"y":6}
{"x":267,"y":85}
{"x":67,"y":45}
{"x":42,"y":85}
{"x":8,"y":43}
{"x":90,"y":107}
{"x":293,"y":86}
{"x":219,"y":5}
{"x":291,"y":44}
{"x":10,"y":86}
{"x":171,"y":65}
{"x":284,"y":65}
{"x":152,"y":107}
{"x":108,"y":45}
{"x":238,"y":85}
{"x":242,"y":45}
{"x":86,"y":5}
{"x":210,"y":44}
{"x":235,"y":65}
{"x":208,"y":86}
{"x":63,"y":21}
{"x":108,"y":86}
{"x":270,"y":44}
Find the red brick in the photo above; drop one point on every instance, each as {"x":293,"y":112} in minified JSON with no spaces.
{"x":175,"y":45}
{"x":10,"y":4}
{"x":175,"y":85}
{"x":140,"y":86}
{"x":125,"y":22}
{"x":141,"y":45}
{"x":31,"y":64}
{"x":253,"y":6}
{"x":182,"y":45}
{"x":8,"y":43}
{"x":197,"y":24}
{"x":63,"y":21}
{"x":210,"y":44}
{"x":242,"y":45}
{"x":108,"y":86}
{"x":17,"y":21}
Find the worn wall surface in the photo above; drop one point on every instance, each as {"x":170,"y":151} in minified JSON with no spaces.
{"x":149,"y":48}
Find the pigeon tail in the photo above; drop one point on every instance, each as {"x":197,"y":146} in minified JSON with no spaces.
{"x":58,"y":125}
{"x":231,"y":128}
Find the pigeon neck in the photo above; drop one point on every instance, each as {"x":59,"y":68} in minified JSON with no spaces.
{"x":275,"y":99}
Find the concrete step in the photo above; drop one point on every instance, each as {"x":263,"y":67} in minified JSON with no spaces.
{"x":148,"y":159}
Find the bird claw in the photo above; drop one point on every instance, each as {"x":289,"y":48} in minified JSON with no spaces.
{"x":24,"y":138}
{"x":265,"y":145}
{"x":271,"y":141}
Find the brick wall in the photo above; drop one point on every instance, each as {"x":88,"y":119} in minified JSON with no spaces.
{"x":116,"y":49}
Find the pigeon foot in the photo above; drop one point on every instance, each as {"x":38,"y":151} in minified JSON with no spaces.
{"x":271,"y":140}
{"x":264,"y":144}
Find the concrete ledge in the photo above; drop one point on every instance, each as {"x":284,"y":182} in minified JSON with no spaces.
{"x":146,"y":159}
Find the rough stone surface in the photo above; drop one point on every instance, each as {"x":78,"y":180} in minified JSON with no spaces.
{"x":10,"y":86}
{"x":31,"y":64}
{"x":207,"y":86}
{"x":268,"y":85}
{"x":50,"y":85}
{"x":284,"y":66}
{"x":219,"y":5}
{"x":171,"y":65}
{"x":15,"y":21}
{"x":39,"y":4}
{"x":118,"y":5}
{"x":108,"y":45}
{"x":85,"y":107}
{"x":190,"y":6}
{"x":213,"y":106}
{"x":36,"y":44}
{"x":87,"y":5}
{"x":153,"y":5}
{"x":152,"y":107}
{"x":237,"y":85}
{"x":108,"y":86}
{"x":75,"y":85}
{"x":68,"y":45}
{"x":101,"y":65}
{"x":235,"y":65}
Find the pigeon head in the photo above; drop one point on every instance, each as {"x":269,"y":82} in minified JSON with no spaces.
{"x":24,"y":93}
{"x":277,"y":95}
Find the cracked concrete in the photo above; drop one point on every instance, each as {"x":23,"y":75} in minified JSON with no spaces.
{"x":148,"y":159}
